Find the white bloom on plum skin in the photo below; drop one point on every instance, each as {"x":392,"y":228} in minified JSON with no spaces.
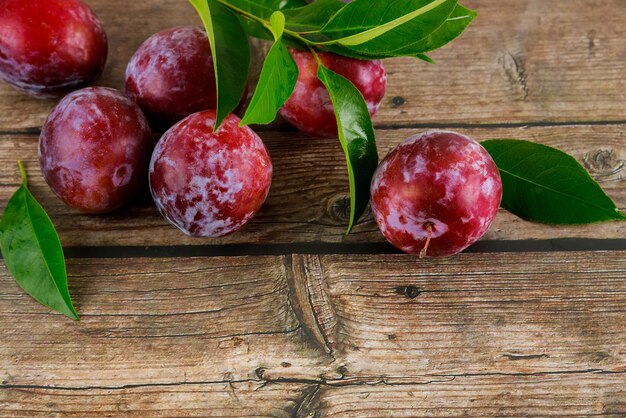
{"x":441,"y":185}
{"x":209,"y":184}
{"x":94,"y":149}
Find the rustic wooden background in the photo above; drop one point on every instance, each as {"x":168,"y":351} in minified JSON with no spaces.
{"x":289,"y":317}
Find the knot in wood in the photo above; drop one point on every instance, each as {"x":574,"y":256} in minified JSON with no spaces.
{"x":409,"y":291}
{"x":603,"y":163}
{"x":514,"y":73}
{"x":310,"y":301}
{"x":260,"y":372}
{"x":397,"y":101}
{"x":339,"y":208}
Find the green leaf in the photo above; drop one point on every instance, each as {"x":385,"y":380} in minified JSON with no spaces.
{"x":231,"y":54}
{"x":255,"y":29}
{"x":543,"y":184}
{"x":277,"y":80}
{"x":356,"y":135}
{"x":424,"y":57}
{"x":313,"y":16}
{"x":401,"y":20}
{"x":452,"y":28}
{"x":351,"y":53}
{"x":263,"y":9}
{"x":32,"y":251}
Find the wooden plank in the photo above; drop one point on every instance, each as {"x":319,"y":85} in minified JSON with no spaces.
{"x":475,"y":314}
{"x":156,"y":321}
{"x":588,"y":394}
{"x":508,"y":335}
{"x":521,"y":61}
{"x":308,"y":201}
{"x":480,"y":334}
{"x":182,"y":400}
{"x":576,"y":395}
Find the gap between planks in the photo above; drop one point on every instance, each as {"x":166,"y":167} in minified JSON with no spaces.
{"x":235,"y":250}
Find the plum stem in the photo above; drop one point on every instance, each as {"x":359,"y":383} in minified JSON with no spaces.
{"x":429,"y":228}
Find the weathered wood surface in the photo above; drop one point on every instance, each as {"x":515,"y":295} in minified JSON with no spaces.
{"x":521,"y":61}
{"x":582,"y":394}
{"x":490,"y":334}
{"x":494,"y":334}
{"x":308,"y":200}
{"x":238,"y":399}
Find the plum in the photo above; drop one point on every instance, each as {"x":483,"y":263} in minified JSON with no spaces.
{"x":436,"y":193}
{"x":209,"y":184}
{"x":171,"y":75}
{"x":94,"y":149}
{"x":310,"y":108}
{"x":50,"y":47}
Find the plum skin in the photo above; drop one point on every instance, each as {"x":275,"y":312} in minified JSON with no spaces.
{"x":94,"y":149}
{"x":171,"y":75}
{"x":209,"y":184}
{"x":50,"y":47}
{"x":310,"y":108}
{"x":439,"y":180}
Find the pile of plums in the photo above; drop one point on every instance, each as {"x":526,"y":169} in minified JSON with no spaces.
{"x":434,"y":194}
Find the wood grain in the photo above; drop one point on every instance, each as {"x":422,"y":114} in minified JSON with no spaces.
{"x":576,"y":395}
{"x":521,"y":61}
{"x":147,"y":321}
{"x":513,"y":313}
{"x":223,"y":399}
{"x":493,"y":334}
{"x":480,"y":334}
{"x":308,"y":201}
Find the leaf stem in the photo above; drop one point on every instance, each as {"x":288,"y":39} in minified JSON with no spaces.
{"x":23,"y":173}
{"x":246,"y":14}
{"x":314,"y":53}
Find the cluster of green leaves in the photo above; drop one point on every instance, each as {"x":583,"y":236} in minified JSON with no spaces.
{"x":363,"y":29}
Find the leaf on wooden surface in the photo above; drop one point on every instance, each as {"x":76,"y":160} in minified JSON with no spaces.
{"x":32,"y":251}
{"x":543,"y":184}
{"x":277,"y":80}
{"x":356,"y":135}
{"x":231,"y":54}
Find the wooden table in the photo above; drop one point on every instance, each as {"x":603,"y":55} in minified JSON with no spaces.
{"x":292,"y":318}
